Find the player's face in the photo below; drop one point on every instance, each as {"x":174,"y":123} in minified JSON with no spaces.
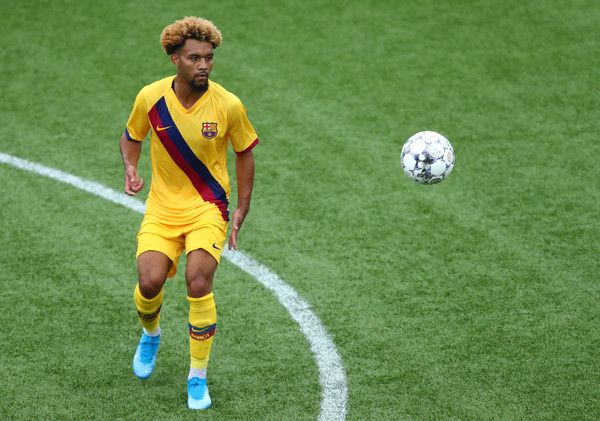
{"x":194,"y":62}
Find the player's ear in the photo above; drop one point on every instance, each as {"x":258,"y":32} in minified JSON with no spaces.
{"x":175,"y":59}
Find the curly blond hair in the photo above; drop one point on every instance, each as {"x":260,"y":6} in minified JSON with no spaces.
{"x":174,"y":35}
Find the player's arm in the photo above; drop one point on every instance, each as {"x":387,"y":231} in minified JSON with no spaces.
{"x":244,"y":169}
{"x":130,"y":152}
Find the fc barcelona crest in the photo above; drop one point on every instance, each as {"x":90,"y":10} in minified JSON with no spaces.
{"x":209,"y":130}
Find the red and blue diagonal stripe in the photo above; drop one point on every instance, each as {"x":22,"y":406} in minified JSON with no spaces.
{"x":203,"y":181}
{"x":149,"y":317}
{"x":202,"y":334}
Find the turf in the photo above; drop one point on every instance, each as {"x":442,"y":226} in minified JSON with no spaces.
{"x":473,"y":299}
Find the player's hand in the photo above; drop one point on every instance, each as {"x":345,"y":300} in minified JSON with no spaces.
{"x":133,"y":182}
{"x":237,"y":221}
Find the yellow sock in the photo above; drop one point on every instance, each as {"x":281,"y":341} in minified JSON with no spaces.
{"x":203,"y":322}
{"x":148,"y":310}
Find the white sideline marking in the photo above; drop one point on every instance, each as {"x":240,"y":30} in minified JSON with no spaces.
{"x":332,"y":377}
{"x":334,"y":391}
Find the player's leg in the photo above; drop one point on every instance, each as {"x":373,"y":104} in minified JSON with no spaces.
{"x":153,"y":268}
{"x":204,"y":242}
{"x":200,"y":270}
{"x":158,"y":250}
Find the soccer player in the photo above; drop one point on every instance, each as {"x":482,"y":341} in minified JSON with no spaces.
{"x":191,"y":120}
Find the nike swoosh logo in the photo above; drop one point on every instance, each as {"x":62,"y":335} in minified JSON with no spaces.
{"x":160,"y":129}
{"x":196,"y":330}
{"x":201,"y":330}
{"x":216,"y":246}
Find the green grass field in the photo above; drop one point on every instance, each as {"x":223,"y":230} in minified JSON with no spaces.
{"x":474,"y":299}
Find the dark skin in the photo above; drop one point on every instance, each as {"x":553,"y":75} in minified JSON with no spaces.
{"x":194,"y":61}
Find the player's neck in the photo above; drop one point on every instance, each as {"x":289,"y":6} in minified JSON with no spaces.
{"x":185,"y":94}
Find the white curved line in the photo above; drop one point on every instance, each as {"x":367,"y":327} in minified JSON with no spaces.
{"x":332,"y":377}
{"x":334,"y":391}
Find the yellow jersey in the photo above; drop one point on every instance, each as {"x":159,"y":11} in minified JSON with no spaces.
{"x":188,"y":149}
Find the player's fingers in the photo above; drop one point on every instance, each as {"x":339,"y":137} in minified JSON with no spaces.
{"x":139,"y":185}
{"x":128,"y":188}
{"x":233,"y":241}
{"x":129,"y":179}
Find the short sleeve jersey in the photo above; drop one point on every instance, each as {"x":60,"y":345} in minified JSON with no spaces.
{"x":188,"y":149}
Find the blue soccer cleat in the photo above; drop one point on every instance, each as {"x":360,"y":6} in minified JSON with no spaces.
{"x":145,"y":356}
{"x":198,"y":397}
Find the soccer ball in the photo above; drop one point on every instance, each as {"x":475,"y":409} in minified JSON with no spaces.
{"x":427,"y":157}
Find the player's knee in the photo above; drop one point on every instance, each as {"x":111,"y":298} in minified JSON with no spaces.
{"x":199,"y":286}
{"x":150,"y":286}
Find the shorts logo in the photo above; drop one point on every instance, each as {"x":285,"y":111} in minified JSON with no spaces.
{"x":202,"y":333}
{"x":209,"y":130}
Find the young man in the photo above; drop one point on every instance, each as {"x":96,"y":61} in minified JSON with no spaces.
{"x":191,"y":121}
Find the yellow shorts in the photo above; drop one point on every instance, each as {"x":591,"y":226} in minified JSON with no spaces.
{"x":171,"y":240}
